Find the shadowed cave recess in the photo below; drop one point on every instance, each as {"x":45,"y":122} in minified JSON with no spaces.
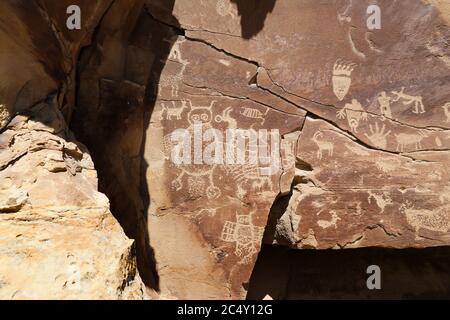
{"x":151,"y":57}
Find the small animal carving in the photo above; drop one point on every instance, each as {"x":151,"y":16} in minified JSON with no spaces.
{"x":405,"y":139}
{"x":173,"y":111}
{"x":407,"y":100}
{"x":322,"y":145}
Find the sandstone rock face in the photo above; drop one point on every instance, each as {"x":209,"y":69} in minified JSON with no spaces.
{"x":58,"y":238}
{"x":361,"y":117}
{"x":343,"y":133}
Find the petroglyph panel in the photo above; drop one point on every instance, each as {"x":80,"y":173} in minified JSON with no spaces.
{"x":368,"y":197}
{"x":367,"y":168}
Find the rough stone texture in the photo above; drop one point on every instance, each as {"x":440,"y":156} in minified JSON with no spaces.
{"x":58,"y":238}
{"x":363,"y":117}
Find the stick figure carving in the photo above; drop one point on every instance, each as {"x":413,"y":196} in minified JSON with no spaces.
{"x":173,"y":111}
{"x":385,"y":105}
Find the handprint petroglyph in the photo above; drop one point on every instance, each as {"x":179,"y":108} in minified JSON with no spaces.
{"x":378,"y":136}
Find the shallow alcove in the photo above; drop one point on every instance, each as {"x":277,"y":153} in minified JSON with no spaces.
{"x":283,"y":273}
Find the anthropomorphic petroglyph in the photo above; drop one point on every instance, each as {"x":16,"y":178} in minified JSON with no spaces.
{"x":446,"y":108}
{"x":378,"y":136}
{"x":173,"y":111}
{"x":254,"y":114}
{"x":405,"y":139}
{"x":323,"y":146}
{"x":245,"y":235}
{"x":198,"y":174}
{"x":341,"y":78}
{"x":200,"y":115}
{"x":354,"y":113}
{"x":407,"y":100}
{"x":172,"y":81}
{"x":226,"y":117}
{"x":385,"y":105}
{"x":225,"y":8}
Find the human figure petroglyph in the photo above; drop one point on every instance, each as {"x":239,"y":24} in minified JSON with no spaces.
{"x":245,"y":235}
{"x":226,"y":117}
{"x":198,"y":174}
{"x":173,"y":111}
{"x":341,"y":78}
{"x":385,"y":105}
{"x":254,"y":114}
{"x":446,"y":108}
{"x":378,"y":136}
{"x":405,"y":139}
{"x":408,"y":99}
{"x":324,"y":146}
{"x":354,"y":113}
